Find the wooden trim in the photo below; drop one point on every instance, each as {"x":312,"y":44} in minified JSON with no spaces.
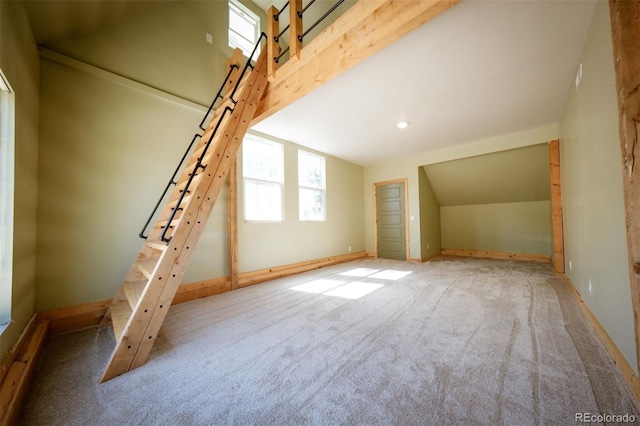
{"x":201,"y":289}
{"x":405,"y":181}
{"x":625,"y":29}
{"x":431,"y":256}
{"x":262,"y":275}
{"x":363,"y":30}
{"x":556,"y":206}
{"x":232,"y":222}
{"x":77,"y":317}
{"x":618,"y":358}
{"x":17,"y":369}
{"x":525,"y":257}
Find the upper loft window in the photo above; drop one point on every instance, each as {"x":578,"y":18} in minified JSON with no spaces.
{"x":244,"y":28}
{"x":7,"y":149}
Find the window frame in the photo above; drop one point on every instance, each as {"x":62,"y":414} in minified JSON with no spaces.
{"x":245,"y":178}
{"x":244,"y":12}
{"x":7,"y":184}
{"x":322,"y":188}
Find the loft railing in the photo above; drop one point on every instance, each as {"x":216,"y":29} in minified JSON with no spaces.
{"x":199,"y":164}
{"x":295,"y":27}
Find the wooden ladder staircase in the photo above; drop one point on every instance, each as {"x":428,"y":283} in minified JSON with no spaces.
{"x":141,"y":304}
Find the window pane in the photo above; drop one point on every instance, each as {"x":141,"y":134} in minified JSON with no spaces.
{"x":244,"y":28}
{"x":263,"y":200}
{"x":310,"y":170}
{"x":242,"y":24}
{"x":311,"y":204}
{"x":7,"y":164}
{"x":263,"y":159}
{"x":263,"y":172}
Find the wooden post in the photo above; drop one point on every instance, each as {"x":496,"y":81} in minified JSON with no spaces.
{"x":273,"y":48}
{"x":232,"y":213}
{"x":556,"y":206}
{"x":295,"y":28}
{"x":232,"y":184}
{"x":625,"y":29}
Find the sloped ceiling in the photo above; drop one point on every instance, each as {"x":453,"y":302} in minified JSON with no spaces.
{"x":515,"y":175}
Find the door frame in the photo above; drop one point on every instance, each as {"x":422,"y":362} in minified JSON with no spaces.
{"x":405,"y":181}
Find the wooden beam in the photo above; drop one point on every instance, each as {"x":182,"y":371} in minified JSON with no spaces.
{"x":625,"y":29}
{"x":232,"y":221}
{"x":295,"y":28}
{"x":556,"y":206}
{"x":273,"y":48}
{"x":363,"y":30}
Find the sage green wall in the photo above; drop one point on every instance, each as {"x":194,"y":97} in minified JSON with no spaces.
{"x":523,"y":227}
{"x":262,"y":245}
{"x":165,"y":48}
{"x":106,"y":153}
{"x":592,"y":199}
{"x":430,"y":227}
{"x":109,"y":145}
{"x":408,"y":167}
{"x":20,"y":64}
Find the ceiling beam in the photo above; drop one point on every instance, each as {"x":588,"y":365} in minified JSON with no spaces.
{"x":363,"y":30}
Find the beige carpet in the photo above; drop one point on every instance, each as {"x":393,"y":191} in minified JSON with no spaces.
{"x":451,"y":341}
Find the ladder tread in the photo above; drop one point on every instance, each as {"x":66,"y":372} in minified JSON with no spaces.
{"x":120,"y":314}
{"x":157,"y":244}
{"x":147,"y":266}
{"x":133,"y":290}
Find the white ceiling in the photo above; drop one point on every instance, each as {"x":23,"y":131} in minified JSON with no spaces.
{"x":481,"y":69}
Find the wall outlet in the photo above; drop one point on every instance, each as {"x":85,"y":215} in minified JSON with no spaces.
{"x":570,"y":266}
{"x":589,"y":285}
{"x":209,"y":38}
{"x":427,"y":246}
{"x":413,"y":217}
{"x":349,"y":248}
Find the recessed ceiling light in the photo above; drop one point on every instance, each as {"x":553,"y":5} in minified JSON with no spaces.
{"x":402,"y":124}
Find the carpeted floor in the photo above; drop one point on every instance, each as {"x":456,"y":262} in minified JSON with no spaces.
{"x":451,"y":341}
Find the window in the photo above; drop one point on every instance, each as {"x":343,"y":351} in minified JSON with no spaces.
{"x":244,"y":28}
{"x":263,"y":172}
{"x":311,"y":186}
{"x":6,"y":199}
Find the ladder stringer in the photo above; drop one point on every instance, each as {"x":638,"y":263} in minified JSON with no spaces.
{"x":135,"y":343}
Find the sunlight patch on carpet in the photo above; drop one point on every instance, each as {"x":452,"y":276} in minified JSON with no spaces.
{"x":318,"y":286}
{"x":390,"y":274}
{"x":354,"y":290}
{"x":360,"y":272}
